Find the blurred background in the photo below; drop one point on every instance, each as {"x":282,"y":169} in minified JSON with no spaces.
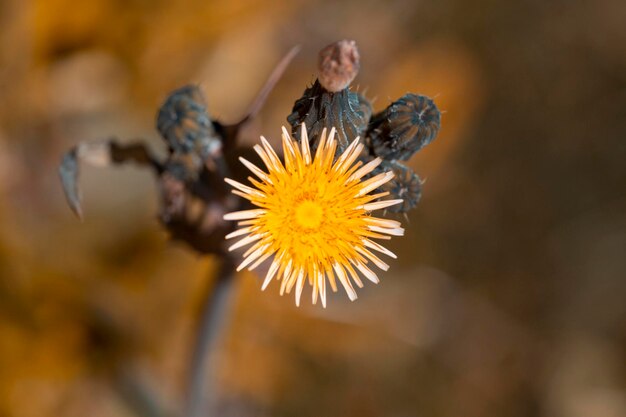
{"x":509,"y":294}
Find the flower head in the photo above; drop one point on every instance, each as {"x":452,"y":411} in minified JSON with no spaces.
{"x":313,"y":216}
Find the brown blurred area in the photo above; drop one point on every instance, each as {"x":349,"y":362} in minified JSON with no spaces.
{"x":509,"y":295}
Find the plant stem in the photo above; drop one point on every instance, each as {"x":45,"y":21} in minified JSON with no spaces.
{"x":138,"y":397}
{"x":208,"y":335}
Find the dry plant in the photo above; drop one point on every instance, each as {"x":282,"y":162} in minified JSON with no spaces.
{"x":308,"y":211}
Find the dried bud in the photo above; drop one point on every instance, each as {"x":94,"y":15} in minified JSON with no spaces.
{"x":184,"y":122}
{"x":405,"y":185}
{"x":338,"y":65}
{"x":403,"y":128}
{"x":347,"y":112}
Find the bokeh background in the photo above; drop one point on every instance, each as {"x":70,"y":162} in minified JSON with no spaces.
{"x":509,"y":294}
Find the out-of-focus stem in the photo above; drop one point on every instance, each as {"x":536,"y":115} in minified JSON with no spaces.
{"x":276,"y":74}
{"x":137,"y":396}
{"x":232,"y":131}
{"x":208,"y":335}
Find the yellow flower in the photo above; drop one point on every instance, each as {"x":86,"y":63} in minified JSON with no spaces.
{"x":313,"y":216}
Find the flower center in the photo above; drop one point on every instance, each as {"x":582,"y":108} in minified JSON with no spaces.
{"x":309,"y":214}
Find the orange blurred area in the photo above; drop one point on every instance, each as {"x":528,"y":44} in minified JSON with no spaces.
{"x":507,"y":298}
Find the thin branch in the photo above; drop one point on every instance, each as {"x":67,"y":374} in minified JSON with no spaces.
{"x":258,"y":102}
{"x":229,"y":132}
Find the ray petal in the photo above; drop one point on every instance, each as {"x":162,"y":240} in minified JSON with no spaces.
{"x":244,"y":214}
{"x":270,"y":273}
{"x":365,"y":169}
{"x":239,"y":232}
{"x":354,"y":275}
{"x":255,"y":170}
{"x":322,"y":285}
{"x":377,"y":205}
{"x":244,"y":188}
{"x":369,"y":274}
{"x":398,"y":231}
{"x":245,"y":241}
{"x":304,"y":143}
{"x":346,"y":155}
{"x":377,"y":221}
{"x":321,"y":146}
{"x":369,"y":255}
{"x":299,"y":286}
{"x":374,"y":182}
{"x":341,"y":274}
{"x":314,"y":293}
{"x":253,"y":256}
{"x":262,"y":259}
{"x":373,"y":245}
